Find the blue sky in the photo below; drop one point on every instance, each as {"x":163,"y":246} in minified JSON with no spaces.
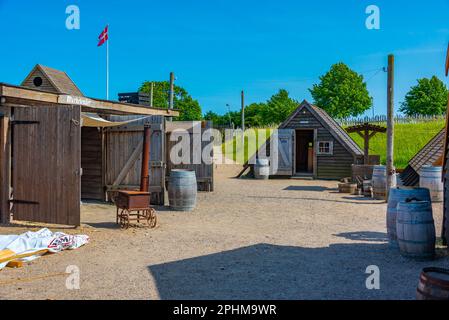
{"x":217,"y":48}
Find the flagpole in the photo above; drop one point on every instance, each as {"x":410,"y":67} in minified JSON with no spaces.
{"x":107,"y":66}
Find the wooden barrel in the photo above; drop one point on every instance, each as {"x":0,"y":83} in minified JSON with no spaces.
{"x":380,"y":182}
{"x":433,"y":284}
{"x":262,"y":169}
{"x":368,"y":188}
{"x":400,"y":195}
{"x":415,"y":229}
{"x":431,"y":178}
{"x":182,"y":190}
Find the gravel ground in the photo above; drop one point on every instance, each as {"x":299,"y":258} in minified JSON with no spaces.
{"x":277,"y":239}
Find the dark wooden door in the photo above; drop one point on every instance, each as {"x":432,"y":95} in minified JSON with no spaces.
{"x":46,"y":164}
{"x":304,"y":140}
{"x":92,"y":186}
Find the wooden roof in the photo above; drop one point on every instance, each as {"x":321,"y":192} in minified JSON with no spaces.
{"x":430,"y":154}
{"x":18,"y":96}
{"x":59,"y":80}
{"x":366,"y":126}
{"x":330,"y":124}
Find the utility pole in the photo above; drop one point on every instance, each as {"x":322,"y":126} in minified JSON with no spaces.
{"x":390,"y":124}
{"x":172,"y":93}
{"x":243,"y":119}
{"x":151,"y":94}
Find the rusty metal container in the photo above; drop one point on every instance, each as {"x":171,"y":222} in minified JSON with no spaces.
{"x":132,"y":200}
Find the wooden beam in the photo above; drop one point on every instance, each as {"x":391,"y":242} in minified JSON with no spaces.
{"x":5,"y":165}
{"x":22,"y":96}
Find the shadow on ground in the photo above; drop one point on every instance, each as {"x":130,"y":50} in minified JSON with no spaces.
{"x":368,"y":236}
{"x":315,"y":199}
{"x":265,"y":271}
{"x":309,"y":188}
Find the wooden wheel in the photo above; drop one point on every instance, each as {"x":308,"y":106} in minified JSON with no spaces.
{"x":151,"y":218}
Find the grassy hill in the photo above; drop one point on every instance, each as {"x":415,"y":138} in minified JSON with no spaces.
{"x":409,"y":139}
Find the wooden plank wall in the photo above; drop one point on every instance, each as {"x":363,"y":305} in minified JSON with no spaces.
{"x":5,"y":161}
{"x":92,"y":186}
{"x":46,"y":165}
{"x":336,"y":166}
{"x":204,"y":171}
{"x":46,"y":84}
{"x":123,"y":149}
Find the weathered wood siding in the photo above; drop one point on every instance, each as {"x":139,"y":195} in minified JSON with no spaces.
{"x":92,"y":186}
{"x":205,"y":170}
{"x":123,"y":149}
{"x":46,"y":84}
{"x":5,"y":161}
{"x":46,"y":165}
{"x":334,"y":166}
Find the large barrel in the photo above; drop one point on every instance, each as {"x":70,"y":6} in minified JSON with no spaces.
{"x":433,"y":284}
{"x":400,"y":195}
{"x":262,"y":169}
{"x":182,"y":190}
{"x":415,"y":229}
{"x":431,"y":178}
{"x":380,"y":182}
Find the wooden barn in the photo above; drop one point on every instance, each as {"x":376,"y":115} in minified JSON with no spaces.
{"x":58,"y":146}
{"x":430,"y":155}
{"x":314,"y":145}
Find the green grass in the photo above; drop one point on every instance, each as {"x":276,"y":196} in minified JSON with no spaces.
{"x":409,"y":139}
{"x":233,"y":149}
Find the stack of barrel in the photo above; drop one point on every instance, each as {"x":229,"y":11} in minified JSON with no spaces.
{"x":411,"y":229}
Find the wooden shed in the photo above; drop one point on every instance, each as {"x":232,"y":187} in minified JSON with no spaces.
{"x":53,"y":146}
{"x":314,"y":145}
{"x":430,"y":155}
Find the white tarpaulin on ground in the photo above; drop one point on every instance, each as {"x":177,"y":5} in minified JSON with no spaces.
{"x":94,"y":120}
{"x":31,"y":245}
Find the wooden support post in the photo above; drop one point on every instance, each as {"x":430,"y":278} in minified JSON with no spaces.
{"x":172,"y":94}
{"x":366,"y":151}
{"x":390,"y":124}
{"x":5,"y":166}
{"x":243,"y":119}
{"x":445,"y":229}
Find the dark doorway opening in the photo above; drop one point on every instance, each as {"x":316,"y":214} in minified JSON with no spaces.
{"x":304,"y":151}
{"x":91,"y":164}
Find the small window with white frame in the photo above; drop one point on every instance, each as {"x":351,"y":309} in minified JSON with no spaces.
{"x":325,"y":148}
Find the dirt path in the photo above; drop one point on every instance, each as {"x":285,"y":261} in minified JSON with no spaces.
{"x":277,"y":239}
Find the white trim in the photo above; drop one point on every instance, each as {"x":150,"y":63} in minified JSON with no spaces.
{"x":331,"y":148}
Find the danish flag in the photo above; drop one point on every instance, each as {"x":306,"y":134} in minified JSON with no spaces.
{"x":103,"y":37}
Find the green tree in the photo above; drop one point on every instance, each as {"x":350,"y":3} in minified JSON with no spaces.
{"x":254,"y":115}
{"x":278,"y":108}
{"x":189,"y":109}
{"x":428,"y":97}
{"x":342,"y":92}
